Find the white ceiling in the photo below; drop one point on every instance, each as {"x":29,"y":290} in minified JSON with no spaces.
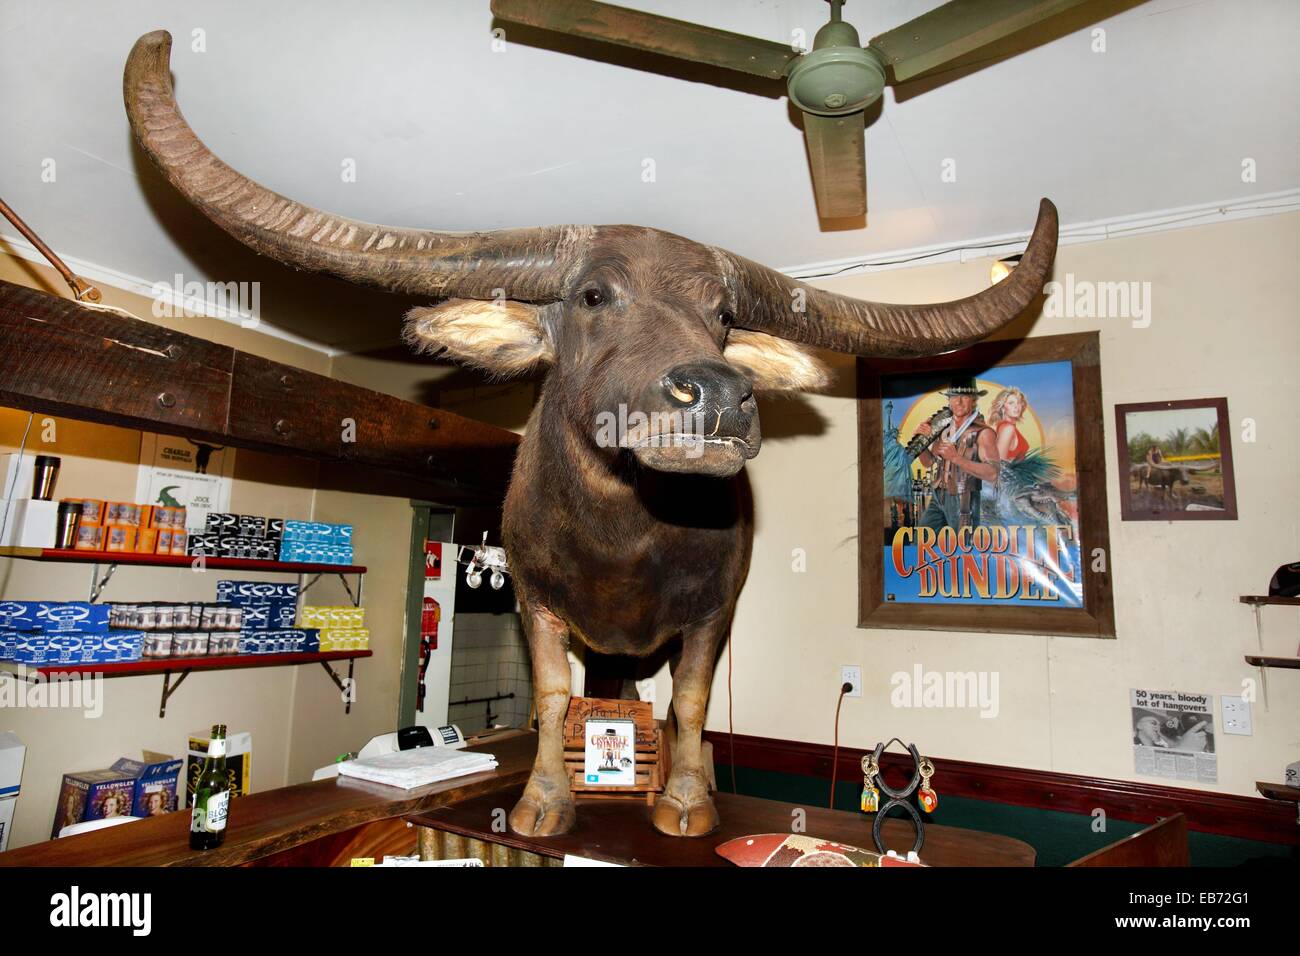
{"x":447,"y":133}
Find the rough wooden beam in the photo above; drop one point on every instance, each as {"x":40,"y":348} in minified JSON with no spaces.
{"x":59,"y":357}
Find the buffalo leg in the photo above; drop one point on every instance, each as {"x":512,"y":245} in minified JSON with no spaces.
{"x":546,"y":808}
{"x":684,"y":808}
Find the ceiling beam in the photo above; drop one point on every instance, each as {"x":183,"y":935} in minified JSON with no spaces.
{"x":59,"y":357}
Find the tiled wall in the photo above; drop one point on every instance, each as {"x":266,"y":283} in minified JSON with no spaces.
{"x":489,"y":656}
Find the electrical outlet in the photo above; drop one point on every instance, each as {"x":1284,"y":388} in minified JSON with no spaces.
{"x":852,"y":674}
{"x":1236,"y":716}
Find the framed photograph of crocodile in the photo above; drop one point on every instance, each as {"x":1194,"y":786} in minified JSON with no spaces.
{"x":1176,"y":461}
{"x":982,"y":490}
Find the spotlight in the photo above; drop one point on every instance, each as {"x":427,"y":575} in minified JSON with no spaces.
{"x":1002,"y":268}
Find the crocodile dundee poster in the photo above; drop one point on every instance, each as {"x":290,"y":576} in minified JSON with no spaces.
{"x":981,"y":487}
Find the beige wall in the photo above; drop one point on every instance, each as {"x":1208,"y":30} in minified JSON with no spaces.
{"x":1223,"y":324}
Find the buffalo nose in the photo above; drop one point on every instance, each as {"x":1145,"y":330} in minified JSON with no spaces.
{"x":702,"y":385}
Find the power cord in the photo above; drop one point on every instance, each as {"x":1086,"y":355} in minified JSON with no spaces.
{"x":835,"y":758}
{"x":731,"y":724}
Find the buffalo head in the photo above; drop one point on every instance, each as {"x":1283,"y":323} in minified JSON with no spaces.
{"x":652,"y":343}
{"x":640,"y":350}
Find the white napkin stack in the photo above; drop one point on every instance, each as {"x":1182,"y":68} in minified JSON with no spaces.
{"x":418,"y":767}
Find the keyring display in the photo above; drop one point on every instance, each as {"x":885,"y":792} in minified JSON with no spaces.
{"x":873,"y":782}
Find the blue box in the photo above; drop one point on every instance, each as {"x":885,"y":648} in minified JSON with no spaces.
{"x":306,"y":531}
{"x":38,"y":647}
{"x":56,"y":616}
{"x":156,"y":784}
{"x":111,"y":648}
{"x":126,"y":789}
{"x":10,"y":611}
{"x":93,"y":795}
{"x":269,"y":615}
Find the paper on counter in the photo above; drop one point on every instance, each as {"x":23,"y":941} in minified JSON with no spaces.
{"x":417,"y":768}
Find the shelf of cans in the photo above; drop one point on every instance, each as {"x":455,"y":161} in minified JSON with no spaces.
{"x":248,"y":618}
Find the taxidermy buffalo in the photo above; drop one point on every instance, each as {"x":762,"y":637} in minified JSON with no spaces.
{"x":629,"y":535}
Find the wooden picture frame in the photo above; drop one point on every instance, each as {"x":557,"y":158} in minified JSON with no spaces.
{"x":1144,"y":502}
{"x":1096,"y":615}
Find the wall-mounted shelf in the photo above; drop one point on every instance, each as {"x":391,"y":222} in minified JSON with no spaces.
{"x":1257,"y":600}
{"x":1286,"y":663}
{"x":175,"y":561}
{"x":184,"y":665}
{"x":114,"y":560}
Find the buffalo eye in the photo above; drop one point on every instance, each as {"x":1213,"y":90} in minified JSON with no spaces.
{"x":593,"y":298}
{"x":727,"y":318}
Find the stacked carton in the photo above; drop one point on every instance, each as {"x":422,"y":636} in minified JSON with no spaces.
{"x":341,"y":628}
{"x":64,"y":632}
{"x":268,"y":617}
{"x":130,"y":788}
{"x":226,"y":535}
{"x":316,"y":542}
{"x":123,"y":527}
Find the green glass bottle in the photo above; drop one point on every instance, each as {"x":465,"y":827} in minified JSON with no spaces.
{"x":211,"y":796}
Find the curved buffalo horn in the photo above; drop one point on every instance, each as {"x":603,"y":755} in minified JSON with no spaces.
{"x":771,"y":302}
{"x":525,"y":264}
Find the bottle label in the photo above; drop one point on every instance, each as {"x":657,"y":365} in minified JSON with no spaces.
{"x":217,"y":747}
{"x":218,"y":806}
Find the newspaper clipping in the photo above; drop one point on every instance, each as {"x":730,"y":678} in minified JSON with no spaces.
{"x":1173,"y":735}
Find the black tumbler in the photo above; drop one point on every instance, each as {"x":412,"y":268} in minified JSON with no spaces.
{"x":45,"y":476}
{"x":69,"y":520}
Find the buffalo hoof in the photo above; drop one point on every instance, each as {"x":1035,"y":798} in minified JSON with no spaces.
{"x":537,"y":815}
{"x":674,"y":818}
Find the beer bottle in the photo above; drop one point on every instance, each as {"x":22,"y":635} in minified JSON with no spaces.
{"x":211,"y":796}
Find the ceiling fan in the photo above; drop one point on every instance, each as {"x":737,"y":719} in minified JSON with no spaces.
{"x":832,"y":84}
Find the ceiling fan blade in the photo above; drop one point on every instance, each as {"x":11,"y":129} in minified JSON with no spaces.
{"x":655,"y":34}
{"x":957,"y":28}
{"x":837,"y":154}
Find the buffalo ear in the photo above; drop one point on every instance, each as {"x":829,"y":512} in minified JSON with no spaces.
{"x":776,"y":365}
{"x":501,"y":337}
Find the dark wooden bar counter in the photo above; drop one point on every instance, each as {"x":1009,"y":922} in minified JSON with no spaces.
{"x":312,"y":823}
{"x":619,"y":831}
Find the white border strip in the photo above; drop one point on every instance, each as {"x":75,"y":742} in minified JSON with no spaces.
{"x":103,"y":275}
{"x":991,"y":247}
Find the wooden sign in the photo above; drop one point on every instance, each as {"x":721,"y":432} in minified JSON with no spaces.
{"x":651,"y":753}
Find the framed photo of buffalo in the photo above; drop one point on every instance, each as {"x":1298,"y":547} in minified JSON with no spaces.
{"x":1176,"y":461}
{"x":982,"y":490}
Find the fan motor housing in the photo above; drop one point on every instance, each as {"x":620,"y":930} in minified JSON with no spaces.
{"x":837,"y":76}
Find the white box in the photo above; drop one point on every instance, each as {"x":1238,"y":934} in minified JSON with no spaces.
{"x":16,"y":474}
{"x":31,"y":523}
{"x":12,"y":752}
